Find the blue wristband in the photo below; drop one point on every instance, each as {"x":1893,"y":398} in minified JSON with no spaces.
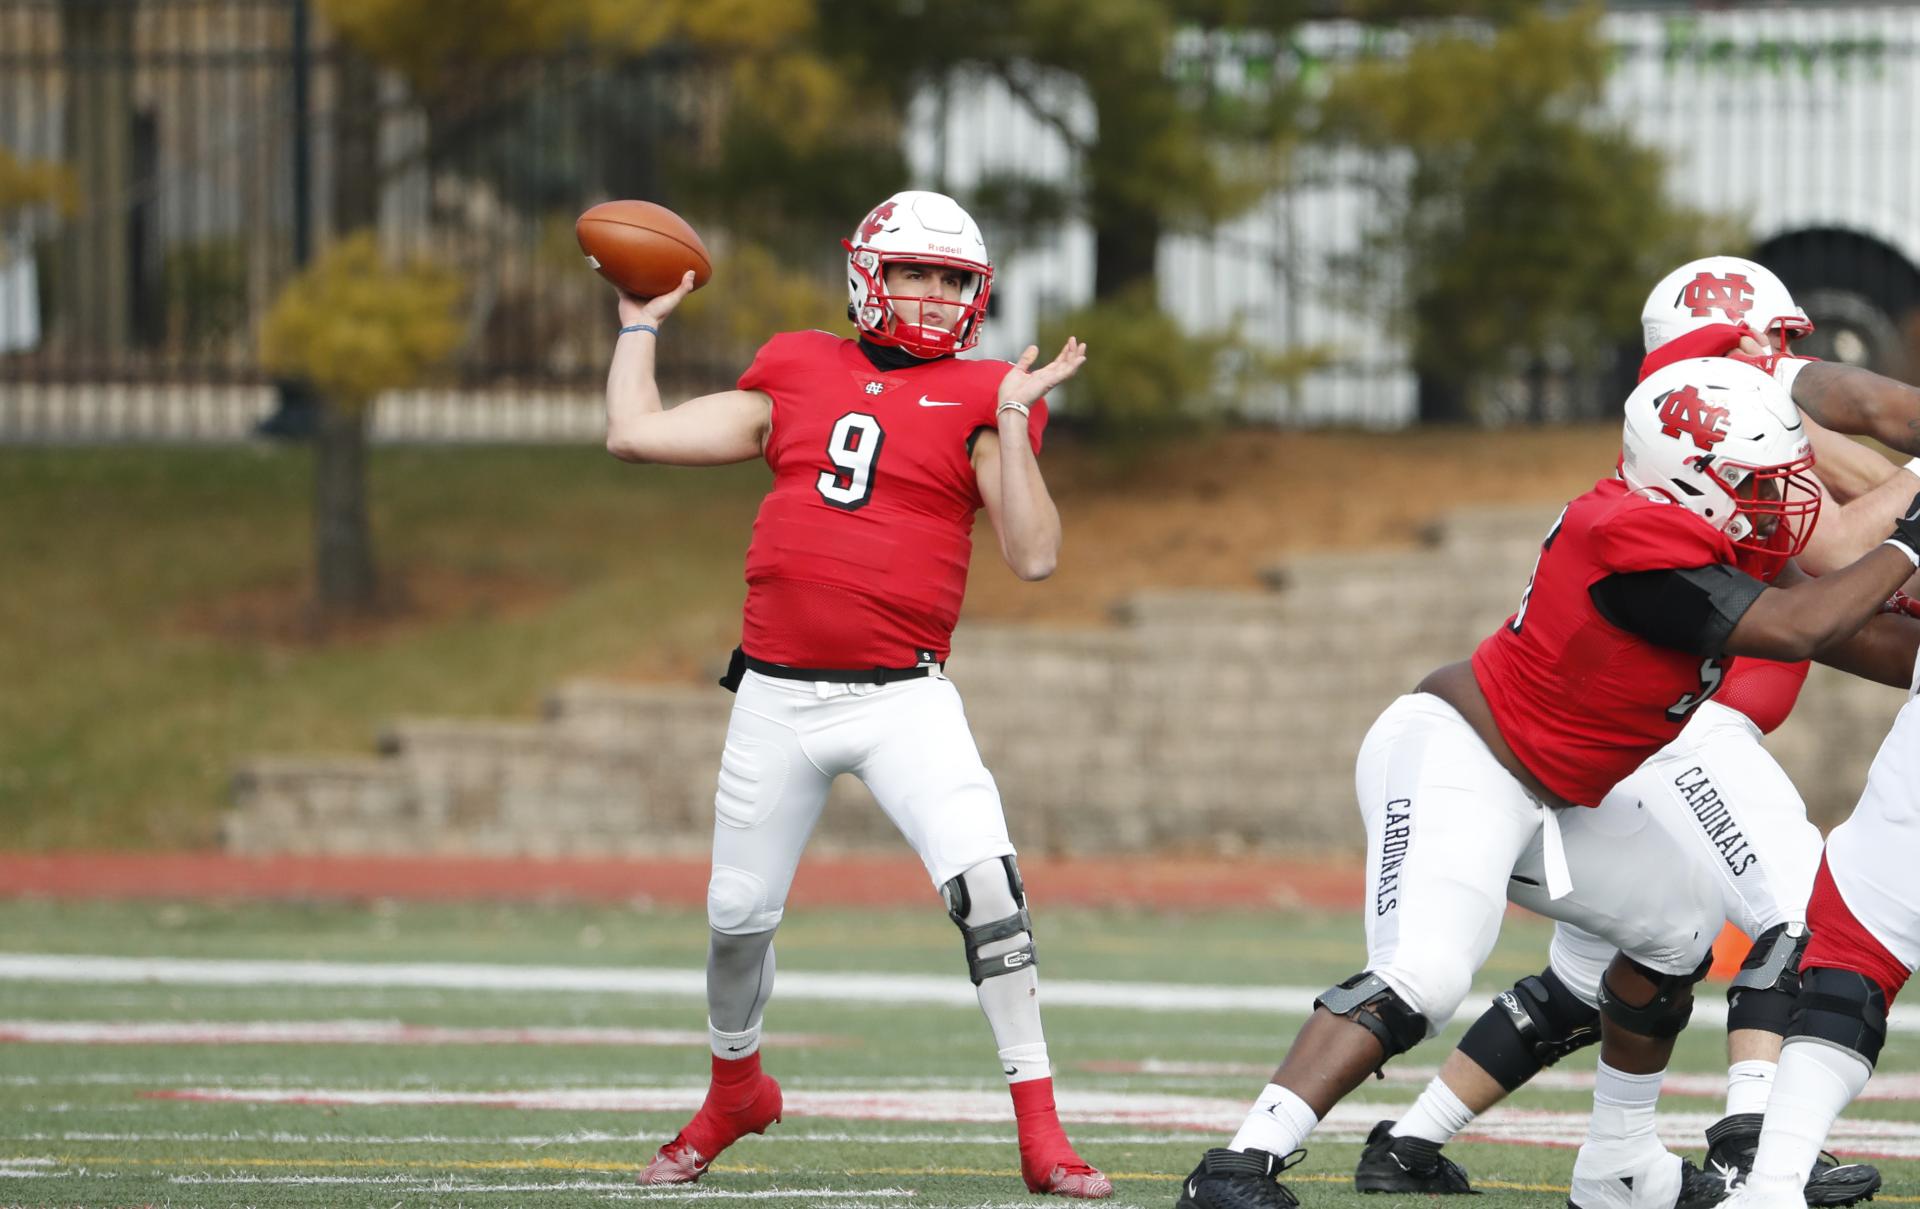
{"x":641,"y":327}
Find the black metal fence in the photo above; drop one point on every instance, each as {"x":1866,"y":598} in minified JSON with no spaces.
{"x":194,"y":153}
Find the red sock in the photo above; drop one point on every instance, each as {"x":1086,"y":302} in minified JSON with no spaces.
{"x":1040,"y":1134}
{"x":740,"y":1100}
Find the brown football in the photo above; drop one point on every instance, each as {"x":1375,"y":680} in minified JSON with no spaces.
{"x":641,"y":247}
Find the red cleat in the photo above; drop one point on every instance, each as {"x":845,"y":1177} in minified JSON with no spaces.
{"x":741,"y":1100}
{"x":1047,"y":1160}
{"x":1072,"y":1179}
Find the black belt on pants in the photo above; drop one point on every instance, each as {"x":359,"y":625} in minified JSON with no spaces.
{"x":741,"y":663}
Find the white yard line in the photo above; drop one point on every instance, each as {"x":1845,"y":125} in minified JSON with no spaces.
{"x":1141,"y":1110}
{"x":854,"y":988}
{"x":348,"y":1032}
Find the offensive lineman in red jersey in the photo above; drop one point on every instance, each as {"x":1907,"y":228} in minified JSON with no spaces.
{"x":1715,"y":788}
{"x":882,"y":450}
{"x":1643,"y":588}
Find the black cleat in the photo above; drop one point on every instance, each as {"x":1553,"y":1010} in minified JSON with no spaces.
{"x":1237,"y":1179}
{"x":1391,"y":1164}
{"x":1732,"y":1141}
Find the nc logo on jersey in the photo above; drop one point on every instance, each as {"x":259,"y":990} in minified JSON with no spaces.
{"x":1684,"y":412}
{"x":875,"y":388}
{"x":1705,"y":294}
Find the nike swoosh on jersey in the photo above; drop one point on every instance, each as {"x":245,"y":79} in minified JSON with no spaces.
{"x":926,"y":402}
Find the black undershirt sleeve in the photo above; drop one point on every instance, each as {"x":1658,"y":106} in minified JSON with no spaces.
{"x":1690,"y":609}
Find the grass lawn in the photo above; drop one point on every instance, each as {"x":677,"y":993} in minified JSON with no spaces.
{"x":566,"y":1090}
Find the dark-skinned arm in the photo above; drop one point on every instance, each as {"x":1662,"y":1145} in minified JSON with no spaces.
{"x":1884,"y":649}
{"x":1858,"y":401}
{"x":1800,"y":617}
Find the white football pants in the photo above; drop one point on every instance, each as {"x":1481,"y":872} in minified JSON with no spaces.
{"x":1871,"y":855}
{"x":787,"y":740}
{"x":1452,"y":836}
{"x":1735,"y":812}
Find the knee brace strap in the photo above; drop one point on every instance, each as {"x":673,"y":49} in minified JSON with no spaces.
{"x":1841,"y":1008}
{"x":1761,"y":996}
{"x":1366,"y":999}
{"x":1529,"y":1027}
{"x":1667,"y":1013}
{"x":960,"y":905}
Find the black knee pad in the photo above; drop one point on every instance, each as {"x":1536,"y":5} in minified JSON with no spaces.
{"x":1366,"y":999}
{"x":1666,"y":1013}
{"x":1841,"y":1008}
{"x":1533,"y":1025}
{"x":1762,"y":993}
{"x":960,"y":906}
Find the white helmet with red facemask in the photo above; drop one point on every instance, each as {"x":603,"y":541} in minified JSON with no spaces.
{"x":915,"y":227}
{"x":1722,"y":439}
{"x":1722,"y":289}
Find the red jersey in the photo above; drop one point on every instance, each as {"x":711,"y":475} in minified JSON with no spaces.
{"x":860,"y":551}
{"x":1581,"y":701}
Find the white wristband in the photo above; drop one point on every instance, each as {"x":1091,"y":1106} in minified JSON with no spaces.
{"x":1012,"y":406}
{"x":1904,"y":549}
{"x":1786,"y":369}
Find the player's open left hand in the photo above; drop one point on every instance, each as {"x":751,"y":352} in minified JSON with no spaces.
{"x":635,"y":309}
{"x":1021,"y":386}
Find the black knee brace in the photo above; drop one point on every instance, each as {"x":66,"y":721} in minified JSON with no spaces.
{"x":1761,"y":996}
{"x":960,"y":905}
{"x":1366,"y":999}
{"x":1666,"y":1013}
{"x":1841,"y":1008}
{"x":1533,"y":1025}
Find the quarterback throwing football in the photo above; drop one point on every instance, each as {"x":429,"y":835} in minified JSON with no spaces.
{"x":882,"y":448}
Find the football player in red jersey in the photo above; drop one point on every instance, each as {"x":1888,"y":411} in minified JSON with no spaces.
{"x":1716,"y":789}
{"x":883,"y":449}
{"x":1468,"y":787}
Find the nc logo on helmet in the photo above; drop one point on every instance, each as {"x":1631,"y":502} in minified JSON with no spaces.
{"x":1683,"y":411}
{"x":1731,"y":295}
{"x":876,"y":221}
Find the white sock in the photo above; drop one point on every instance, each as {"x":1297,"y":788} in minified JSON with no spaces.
{"x":1436,"y":1116}
{"x":1816,"y":1082}
{"x":1748,"y":1083}
{"x":1020,"y":1063}
{"x":1622,"y":1122}
{"x":733,"y":1046}
{"x":1011,"y":1003}
{"x":1278,"y":1122}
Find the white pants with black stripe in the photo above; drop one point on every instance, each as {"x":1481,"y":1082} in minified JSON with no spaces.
{"x":1452,"y":837}
{"x":908,"y":742}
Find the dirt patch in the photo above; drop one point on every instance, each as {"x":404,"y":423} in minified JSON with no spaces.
{"x":1213,"y":513}
{"x":284,"y":614}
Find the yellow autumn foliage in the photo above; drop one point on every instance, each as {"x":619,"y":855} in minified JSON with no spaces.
{"x":25,"y":183}
{"x":352,"y":325}
{"x":422,"y":39}
{"x":753,"y":294}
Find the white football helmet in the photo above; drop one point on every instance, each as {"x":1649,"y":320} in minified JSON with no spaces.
{"x":1722,"y":439}
{"x":1722,"y":289}
{"x":915,"y":227}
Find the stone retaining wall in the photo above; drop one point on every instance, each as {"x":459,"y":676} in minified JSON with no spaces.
{"x":1200,"y":722}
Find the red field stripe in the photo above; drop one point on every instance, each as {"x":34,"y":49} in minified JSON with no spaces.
{"x":827,"y":881}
